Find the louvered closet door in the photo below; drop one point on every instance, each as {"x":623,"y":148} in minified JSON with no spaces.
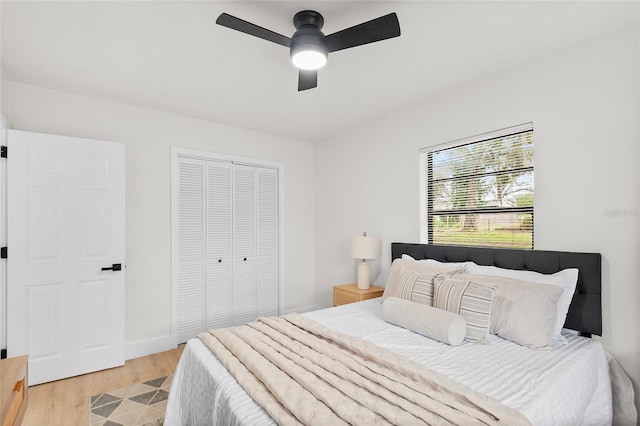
{"x":191,"y":248}
{"x":255,"y":243}
{"x":267,"y":242}
{"x":227,"y":244}
{"x":244,"y":244}
{"x":219,"y":259}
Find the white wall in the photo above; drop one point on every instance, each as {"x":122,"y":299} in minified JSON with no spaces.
{"x":148,"y":136}
{"x":584,"y":105}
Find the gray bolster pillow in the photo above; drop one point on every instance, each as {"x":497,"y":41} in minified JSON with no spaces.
{"x":438,"y":324}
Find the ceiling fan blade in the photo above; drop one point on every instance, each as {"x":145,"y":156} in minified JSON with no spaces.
{"x":243,"y":26}
{"x":377,"y":29}
{"x":307,"y":79}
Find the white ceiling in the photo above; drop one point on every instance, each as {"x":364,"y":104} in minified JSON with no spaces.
{"x":171,"y":56}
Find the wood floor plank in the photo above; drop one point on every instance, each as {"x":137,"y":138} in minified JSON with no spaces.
{"x":66,"y":402}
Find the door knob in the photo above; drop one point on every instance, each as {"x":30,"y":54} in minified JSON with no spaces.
{"x":114,"y":267}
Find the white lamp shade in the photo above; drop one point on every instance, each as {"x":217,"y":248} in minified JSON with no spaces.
{"x":365,"y":247}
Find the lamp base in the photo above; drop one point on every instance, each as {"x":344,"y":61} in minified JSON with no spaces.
{"x":363,"y":275}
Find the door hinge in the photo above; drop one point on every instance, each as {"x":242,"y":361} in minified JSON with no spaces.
{"x":3,"y":151}
{"x":3,"y":253}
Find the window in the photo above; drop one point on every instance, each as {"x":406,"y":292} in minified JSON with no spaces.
{"x":479,"y":191}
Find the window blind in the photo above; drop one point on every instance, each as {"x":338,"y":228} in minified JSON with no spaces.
{"x":479,"y":191}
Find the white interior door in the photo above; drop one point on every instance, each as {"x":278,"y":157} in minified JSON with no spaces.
{"x":65,"y":204}
{"x":3,"y":236}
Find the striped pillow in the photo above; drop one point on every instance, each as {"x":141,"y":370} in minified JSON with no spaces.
{"x":399,"y":265}
{"x":414,"y":286}
{"x":473,"y":302}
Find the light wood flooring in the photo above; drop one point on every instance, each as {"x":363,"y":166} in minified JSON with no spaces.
{"x":66,"y":402}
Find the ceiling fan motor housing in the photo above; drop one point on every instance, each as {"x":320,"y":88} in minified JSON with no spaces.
{"x":308,"y":36}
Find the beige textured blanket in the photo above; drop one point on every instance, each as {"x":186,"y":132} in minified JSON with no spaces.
{"x":301,"y":372}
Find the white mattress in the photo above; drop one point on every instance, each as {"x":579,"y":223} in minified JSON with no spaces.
{"x":568,"y":385}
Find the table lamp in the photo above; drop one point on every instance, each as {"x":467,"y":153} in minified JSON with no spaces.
{"x":364,"y":248}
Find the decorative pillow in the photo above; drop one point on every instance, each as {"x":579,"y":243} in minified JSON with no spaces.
{"x":413,"y":286}
{"x":473,"y":302}
{"x":522,"y":312}
{"x":413,"y":266}
{"x":443,"y":326}
{"x":567,"y":279}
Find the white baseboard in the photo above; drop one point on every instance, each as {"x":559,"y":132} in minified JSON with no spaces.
{"x":302,"y":309}
{"x":147,"y":347}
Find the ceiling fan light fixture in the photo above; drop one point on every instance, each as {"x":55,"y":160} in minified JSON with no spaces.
{"x":308,"y":58}
{"x":308,"y":48}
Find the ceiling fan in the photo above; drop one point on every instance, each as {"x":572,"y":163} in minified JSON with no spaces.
{"x":309,"y":47}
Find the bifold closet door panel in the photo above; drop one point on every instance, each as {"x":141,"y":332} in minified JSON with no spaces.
{"x":267,"y":242}
{"x":191,"y":248}
{"x":244,"y":244}
{"x":219,"y":240}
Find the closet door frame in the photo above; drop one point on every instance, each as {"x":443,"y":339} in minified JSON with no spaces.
{"x":179,"y":152}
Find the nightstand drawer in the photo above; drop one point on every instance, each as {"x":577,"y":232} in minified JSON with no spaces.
{"x":349,"y":293}
{"x":342,"y":298}
{"x":16,"y":403}
{"x":13,"y":391}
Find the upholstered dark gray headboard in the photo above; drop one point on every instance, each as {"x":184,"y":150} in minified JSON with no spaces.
{"x":585,"y":312}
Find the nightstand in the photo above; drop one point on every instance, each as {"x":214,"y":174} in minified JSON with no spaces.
{"x":13,"y":391}
{"x":349,"y":293}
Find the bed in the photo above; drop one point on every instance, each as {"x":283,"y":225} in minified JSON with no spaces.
{"x":568,"y":383}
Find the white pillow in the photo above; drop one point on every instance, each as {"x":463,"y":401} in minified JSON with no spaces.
{"x":522,"y":312}
{"x":435,"y":262}
{"x":567,"y":279}
{"x":440,"y":325}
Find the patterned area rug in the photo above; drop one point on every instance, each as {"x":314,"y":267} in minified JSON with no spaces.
{"x":135,"y":405}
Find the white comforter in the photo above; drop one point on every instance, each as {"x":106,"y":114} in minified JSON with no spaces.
{"x":567,"y":385}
